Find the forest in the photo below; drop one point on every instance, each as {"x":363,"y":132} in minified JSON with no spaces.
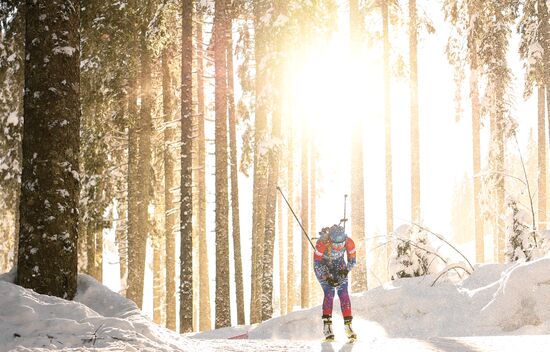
{"x":189,"y":154}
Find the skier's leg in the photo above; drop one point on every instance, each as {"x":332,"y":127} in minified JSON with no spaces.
{"x":327,"y":311}
{"x":345,"y":305}
{"x":345,"y":302}
{"x":328,"y":299}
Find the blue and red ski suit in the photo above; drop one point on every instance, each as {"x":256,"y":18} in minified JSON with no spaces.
{"x":331,"y":271}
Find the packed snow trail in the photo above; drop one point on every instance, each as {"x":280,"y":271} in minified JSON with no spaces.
{"x":530,"y":343}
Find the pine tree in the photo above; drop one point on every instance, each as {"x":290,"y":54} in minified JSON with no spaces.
{"x":315,"y":289}
{"x":235,"y":216}
{"x":103,"y":83}
{"x":12,"y":51}
{"x":413,"y":254}
{"x":524,"y":243}
{"x":186,"y":228}
{"x":205,"y":322}
{"x":261,"y":41}
{"x":141,"y":135}
{"x":497,"y":18}
{"x":415,"y":138}
{"x":535,"y":37}
{"x":51,"y":140}
{"x":359,"y":275}
{"x":290,"y":218}
{"x":223,"y":308}
{"x":280,"y":235}
{"x":170,"y":216}
{"x":387,"y":118}
{"x":304,"y":217}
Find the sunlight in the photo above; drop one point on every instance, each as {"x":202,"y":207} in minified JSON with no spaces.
{"x":325,"y":87}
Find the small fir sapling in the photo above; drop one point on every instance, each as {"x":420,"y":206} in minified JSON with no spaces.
{"x":524,"y":243}
{"x":413,"y":254}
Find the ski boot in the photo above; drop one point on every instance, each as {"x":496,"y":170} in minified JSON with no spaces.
{"x":327,"y":328}
{"x":349,"y":332}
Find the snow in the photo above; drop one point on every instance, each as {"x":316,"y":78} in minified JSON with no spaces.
{"x":97,"y":318}
{"x":66,"y":50}
{"x":497,"y":308}
{"x":13,"y":119}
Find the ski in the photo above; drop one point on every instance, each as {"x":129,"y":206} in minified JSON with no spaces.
{"x":350,"y":340}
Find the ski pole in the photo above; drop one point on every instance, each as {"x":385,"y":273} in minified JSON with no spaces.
{"x":295,"y":217}
{"x":344,"y":219}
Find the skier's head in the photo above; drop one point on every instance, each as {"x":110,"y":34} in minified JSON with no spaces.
{"x":337,"y":235}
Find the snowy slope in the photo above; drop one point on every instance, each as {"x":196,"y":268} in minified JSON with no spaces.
{"x":495,"y":300}
{"x":498,"y":308}
{"x":97,"y":318}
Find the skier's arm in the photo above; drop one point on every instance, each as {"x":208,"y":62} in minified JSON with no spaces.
{"x":320,"y":249}
{"x":319,"y":262}
{"x":350,"y":251}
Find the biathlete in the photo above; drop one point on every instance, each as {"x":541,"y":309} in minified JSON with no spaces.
{"x":331,"y":270}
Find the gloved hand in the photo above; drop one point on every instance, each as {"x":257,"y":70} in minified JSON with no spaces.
{"x":343,"y":272}
{"x":332,"y":282}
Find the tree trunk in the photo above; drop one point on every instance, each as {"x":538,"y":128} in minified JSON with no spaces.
{"x":186,"y":226}
{"x":98,"y":262}
{"x":545,"y":19}
{"x":121,"y":239}
{"x":359,"y":274}
{"x":271,"y":204}
{"x":223,"y":304}
{"x":304,"y":289}
{"x":290,"y":219}
{"x":170,"y":215}
{"x":47,"y":261}
{"x":157,"y":276}
{"x":315,"y":288}
{"x":235,"y":217}
{"x":90,"y":249}
{"x":137,"y":245}
{"x":415,"y":137}
{"x":269,"y":237}
{"x":496,"y":155}
{"x":133,"y":191}
{"x":205,"y":322}
{"x":280,"y":234}
{"x":541,"y":160}
{"x":260,"y":164}
{"x":476,"y":158}
{"x":387,"y":120}
{"x":548,"y":105}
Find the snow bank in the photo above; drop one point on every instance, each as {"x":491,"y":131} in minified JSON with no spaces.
{"x":97,"y":318}
{"x":495,"y":300}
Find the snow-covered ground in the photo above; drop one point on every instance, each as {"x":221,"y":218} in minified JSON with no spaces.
{"x":497,"y":308}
